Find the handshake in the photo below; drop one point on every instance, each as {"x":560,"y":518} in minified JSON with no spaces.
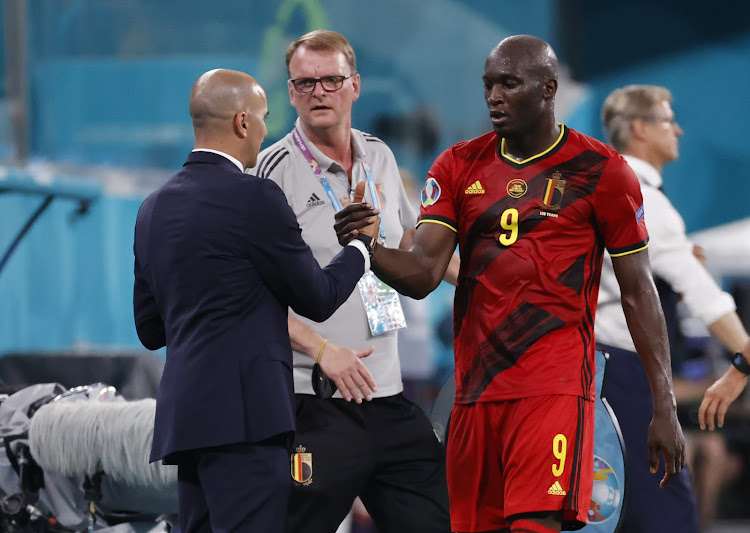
{"x":356,"y":217}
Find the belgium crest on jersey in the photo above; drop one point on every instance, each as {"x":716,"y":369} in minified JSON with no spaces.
{"x":302,"y":466}
{"x":553,"y":192}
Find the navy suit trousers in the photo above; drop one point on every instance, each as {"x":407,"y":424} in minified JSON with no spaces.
{"x":234,"y":488}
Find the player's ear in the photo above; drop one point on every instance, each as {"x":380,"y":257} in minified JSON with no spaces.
{"x":549,"y":89}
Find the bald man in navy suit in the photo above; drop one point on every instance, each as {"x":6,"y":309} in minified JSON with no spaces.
{"x":219,"y":259}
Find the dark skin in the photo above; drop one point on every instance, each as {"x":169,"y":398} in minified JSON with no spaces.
{"x":519,"y":86}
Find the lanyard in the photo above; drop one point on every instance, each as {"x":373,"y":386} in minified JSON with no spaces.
{"x":335,"y":202}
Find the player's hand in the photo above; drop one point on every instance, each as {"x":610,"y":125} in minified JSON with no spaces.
{"x":356,"y":216}
{"x":373,"y":229}
{"x":350,"y":375}
{"x":718,"y":397}
{"x":665,"y":437}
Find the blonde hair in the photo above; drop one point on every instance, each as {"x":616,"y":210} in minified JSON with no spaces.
{"x":626,"y":104}
{"x":324,"y":40}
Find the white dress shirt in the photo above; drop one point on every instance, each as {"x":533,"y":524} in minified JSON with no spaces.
{"x":671,"y":255}
{"x":217,"y":152}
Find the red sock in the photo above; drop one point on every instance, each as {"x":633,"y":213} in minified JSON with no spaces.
{"x":529,"y":526}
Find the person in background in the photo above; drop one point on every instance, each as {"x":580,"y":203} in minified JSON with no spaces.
{"x":640,"y":124}
{"x":382,"y":449}
{"x":218,"y":260}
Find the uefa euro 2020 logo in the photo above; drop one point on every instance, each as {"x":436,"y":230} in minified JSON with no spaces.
{"x":431,"y":192}
{"x":607,"y":492}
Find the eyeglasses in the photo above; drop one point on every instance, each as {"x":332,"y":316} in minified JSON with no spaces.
{"x":329,"y":83}
{"x":656,"y":118}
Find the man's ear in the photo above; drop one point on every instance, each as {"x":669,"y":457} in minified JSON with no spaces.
{"x":290,"y":90}
{"x":549,"y":89}
{"x":638,"y":128}
{"x":356,"y":81}
{"x":239,"y":124}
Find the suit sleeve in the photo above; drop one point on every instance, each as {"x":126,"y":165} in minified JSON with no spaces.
{"x":286,"y":263}
{"x":148,"y":322}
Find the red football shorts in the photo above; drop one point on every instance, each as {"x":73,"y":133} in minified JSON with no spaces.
{"x":520,"y":456}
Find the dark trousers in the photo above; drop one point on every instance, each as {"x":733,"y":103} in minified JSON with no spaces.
{"x":647,"y":508}
{"x":383,"y":451}
{"x":235,"y":488}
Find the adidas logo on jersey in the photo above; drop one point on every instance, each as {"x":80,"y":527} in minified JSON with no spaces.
{"x":314,"y":200}
{"x":556,"y":489}
{"x":475,"y":188}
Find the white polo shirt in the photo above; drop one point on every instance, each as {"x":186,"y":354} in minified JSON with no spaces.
{"x":284,"y":163}
{"x":671,"y":256}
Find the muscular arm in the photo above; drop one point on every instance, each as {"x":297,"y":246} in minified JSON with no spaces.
{"x":643,"y":313}
{"x":414,"y":272}
{"x":451,"y":273}
{"x":417,"y":271}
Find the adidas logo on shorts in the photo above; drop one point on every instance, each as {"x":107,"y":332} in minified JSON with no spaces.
{"x":314,"y":200}
{"x":556,"y":489}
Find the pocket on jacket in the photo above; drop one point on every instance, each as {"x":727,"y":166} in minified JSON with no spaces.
{"x":268,"y":391}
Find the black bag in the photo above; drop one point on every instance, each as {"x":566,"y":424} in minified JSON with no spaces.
{"x":323,"y":386}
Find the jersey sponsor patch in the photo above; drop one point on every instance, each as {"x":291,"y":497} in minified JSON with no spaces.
{"x":640,"y":213}
{"x":431,"y":192}
{"x":302,"y":466}
{"x":516,"y":188}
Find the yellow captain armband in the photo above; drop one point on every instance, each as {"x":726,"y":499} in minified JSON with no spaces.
{"x":320,"y":350}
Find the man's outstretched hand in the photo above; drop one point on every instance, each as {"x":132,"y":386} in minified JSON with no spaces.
{"x":719,"y":396}
{"x":345,"y":368}
{"x":356,"y":217}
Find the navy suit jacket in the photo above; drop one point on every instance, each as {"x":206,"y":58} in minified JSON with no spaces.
{"x":219,"y":258}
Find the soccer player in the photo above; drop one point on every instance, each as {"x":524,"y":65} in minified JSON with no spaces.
{"x":532,"y":205}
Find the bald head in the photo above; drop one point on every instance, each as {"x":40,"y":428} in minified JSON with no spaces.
{"x":530,"y":53}
{"x":520,"y":84}
{"x":218,"y":95}
{"x":229,"y":110}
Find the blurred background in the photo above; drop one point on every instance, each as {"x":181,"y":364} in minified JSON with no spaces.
{"x":93,"y":116}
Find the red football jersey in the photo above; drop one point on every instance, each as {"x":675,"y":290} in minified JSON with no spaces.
{"x":531,"y":237}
